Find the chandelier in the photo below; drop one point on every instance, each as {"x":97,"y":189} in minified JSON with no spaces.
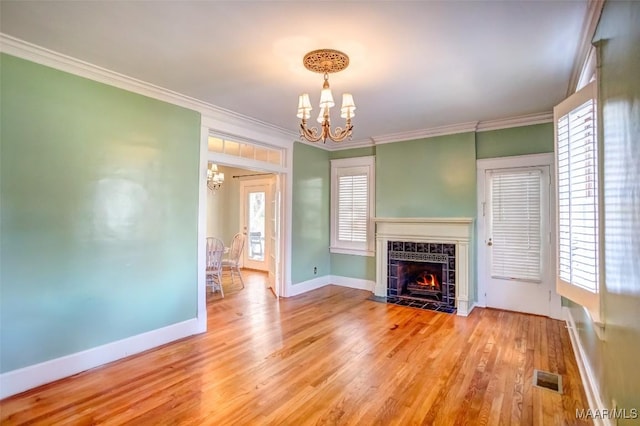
{"x":325,"y":61}
{"x":214,"y":178}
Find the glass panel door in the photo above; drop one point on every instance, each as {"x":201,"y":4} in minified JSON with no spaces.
{"x":255,"y":219}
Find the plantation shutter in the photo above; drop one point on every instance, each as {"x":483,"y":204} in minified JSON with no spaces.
{"x":353,"y":206}
{"x":578,"y":197}
{"x":516,"y":224}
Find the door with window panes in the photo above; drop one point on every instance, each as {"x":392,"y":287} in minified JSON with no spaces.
{"x":517,"y":241}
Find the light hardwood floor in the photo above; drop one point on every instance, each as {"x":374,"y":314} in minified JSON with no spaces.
{"x":329,"y":356}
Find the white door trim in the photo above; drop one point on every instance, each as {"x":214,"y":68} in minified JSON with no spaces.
{"x":533,"y":160}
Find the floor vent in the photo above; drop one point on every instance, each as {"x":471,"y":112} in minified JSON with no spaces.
{"x":546,"y":380}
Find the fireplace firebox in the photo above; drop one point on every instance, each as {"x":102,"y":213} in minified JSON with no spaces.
{"x":421,"y":275}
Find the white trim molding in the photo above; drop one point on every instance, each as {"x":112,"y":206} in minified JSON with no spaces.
{"x":591,"y":388}
{"x":305,"y":286}
{"x":456,"y":230}
{"x":427,"y":133}
{"x":520,"y":121}
{"x":473,"y":126}
{"x":231,"y":120}
{"x":20,"y":380}
{"x":582,"y":60}
{"x":357,"y":283}
{"x":319,"y":282}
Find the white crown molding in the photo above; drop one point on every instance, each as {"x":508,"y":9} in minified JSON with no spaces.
{"x":473,"y":126}
{"x":581,"y":60}
{"x":426,"y":133}
{"x":520,"y":121}
{"x":236,"y":123}
{"x":22,"y":49}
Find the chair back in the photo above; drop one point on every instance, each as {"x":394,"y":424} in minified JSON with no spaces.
{"x":235,"y":251}
{"x":215,"y":251}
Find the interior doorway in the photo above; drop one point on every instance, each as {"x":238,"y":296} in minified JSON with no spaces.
{"x":248,"y":202}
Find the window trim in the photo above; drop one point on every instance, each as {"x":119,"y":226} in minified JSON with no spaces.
{"x":367,"y":248}
{"x":588,"y":299}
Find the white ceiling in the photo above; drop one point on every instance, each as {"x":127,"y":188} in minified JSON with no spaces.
{"x":414,"y":64}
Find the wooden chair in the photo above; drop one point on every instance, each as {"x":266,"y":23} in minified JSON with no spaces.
{"x":215,"y":251}
{"x":232,"y":262}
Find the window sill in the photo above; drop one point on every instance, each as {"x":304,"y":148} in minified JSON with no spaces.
{"x":354,"y":252}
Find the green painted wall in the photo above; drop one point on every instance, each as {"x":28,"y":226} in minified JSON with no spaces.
{"x":310,"y":225}
{"x":361,"y":267}
{"x":99,"y":196}
{"x":524,"y":140}
{"x":354,"y":152}
{"x":434,"y":177}
{"x":615,"y":359}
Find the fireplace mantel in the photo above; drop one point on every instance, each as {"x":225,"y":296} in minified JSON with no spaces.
{"x":455,"y":230}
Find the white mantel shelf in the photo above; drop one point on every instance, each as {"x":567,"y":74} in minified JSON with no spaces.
{"x":446,"y":230}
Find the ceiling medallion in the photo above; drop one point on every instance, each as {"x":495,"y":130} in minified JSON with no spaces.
{"x":325,"y":61}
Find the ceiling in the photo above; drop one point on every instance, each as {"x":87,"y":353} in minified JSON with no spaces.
{"x":413,"y":64}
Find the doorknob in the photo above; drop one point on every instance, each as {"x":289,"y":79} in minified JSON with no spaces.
{"x":490,"y":242}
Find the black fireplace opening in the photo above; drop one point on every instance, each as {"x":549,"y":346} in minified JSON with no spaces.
{"x":422,"y":275}
{"x":420,"y":279}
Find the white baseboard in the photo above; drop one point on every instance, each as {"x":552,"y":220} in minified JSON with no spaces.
{"x":318,"y":282}
{"x":468,"y":310}
{"x":16,"y":381}
{"x":305,"y":286}
{"x":591,"y":388}
{"x":357,"y":283}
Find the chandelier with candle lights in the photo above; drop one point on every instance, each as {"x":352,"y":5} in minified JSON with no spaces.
{"x":326,"y":61}
{"x":215,"y":179}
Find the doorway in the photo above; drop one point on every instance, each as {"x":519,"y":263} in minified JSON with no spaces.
{"x":515,"y":247}
{"x":248,"y":202}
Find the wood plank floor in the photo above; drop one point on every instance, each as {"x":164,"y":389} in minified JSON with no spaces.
{"x":329,"y":356}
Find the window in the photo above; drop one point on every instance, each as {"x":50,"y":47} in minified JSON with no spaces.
{"x":352,"y":205}
{"x":248,"y":150}
{"x":578,"y":206}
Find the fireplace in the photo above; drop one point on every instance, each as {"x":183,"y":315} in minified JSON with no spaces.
{"x":421,"y":274}
{"x":424,"y":262}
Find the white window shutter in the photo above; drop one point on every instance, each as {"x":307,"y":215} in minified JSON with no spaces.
{"x":353,"y":208}
{"x":516,"y":224}
{"x":578,"y":203}
{"x":578,"y":197}
{"x":353,"y":205}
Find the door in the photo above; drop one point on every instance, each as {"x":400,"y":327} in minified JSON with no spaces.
{"x":517,"y":243}
{"x":255,"y":220}
{"x":274,"y":240}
